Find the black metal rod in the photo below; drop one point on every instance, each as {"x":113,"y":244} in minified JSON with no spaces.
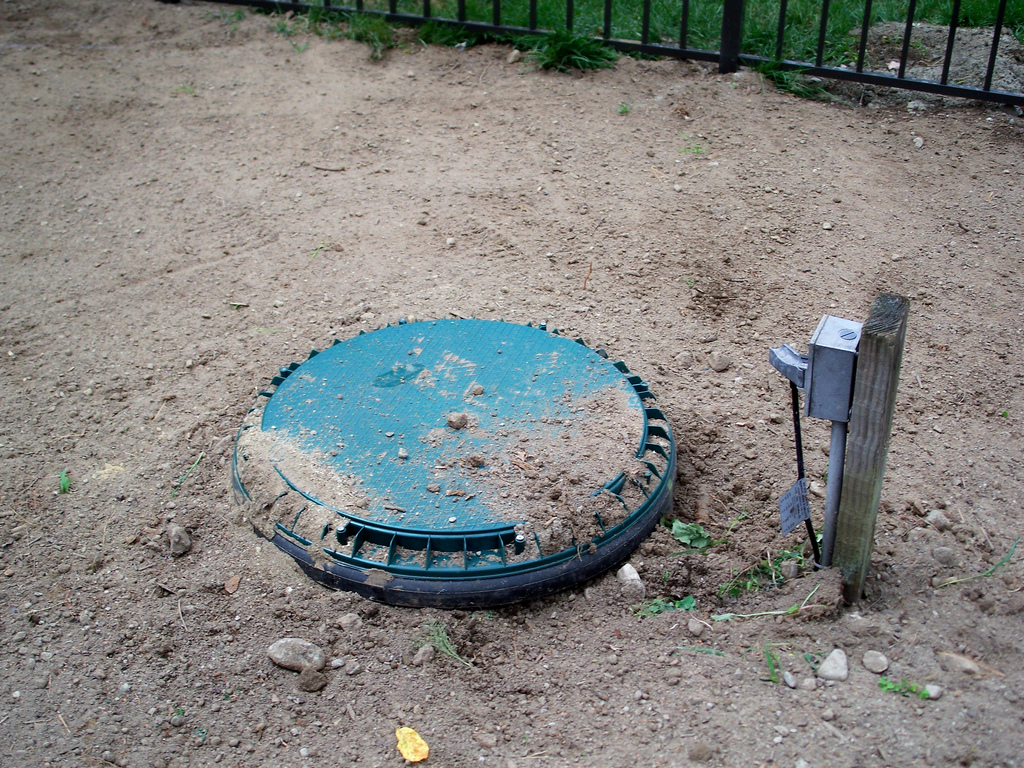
{"x":533,"y":14}
{"x":462,"y":10}
{"x":822,"y":30}
{"x":393,"y":6}
{"x":782,"y":29}
{"x":496,"y":10}
{"x":865,"y":26}
{"x":684,"y":23}
{"x":426,"y":9}
{"x":732,"y":36}
{"x":995,"y":45}
{"x":907,"y":32}
{"x":795,"y":399}
{"x":568,"y":15}
{"x":645,"y":24}
{"x":954,"y":20}
{"x":607,"y":32}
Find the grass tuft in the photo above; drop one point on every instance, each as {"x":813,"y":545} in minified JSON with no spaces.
{"x":435,"y":633}
{"x":565,"y":51}
{"x":373,"y":30}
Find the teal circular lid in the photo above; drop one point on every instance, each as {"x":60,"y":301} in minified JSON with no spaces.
{"x":452,"y":450}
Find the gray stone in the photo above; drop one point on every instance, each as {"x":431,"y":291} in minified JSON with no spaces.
{"x":423,"y":656}
{"x":945,"y":556}
{"x":701,"y":752}
{"x":695,"y":628}
{"x":937,"y":520}
{"x":952,"y":662}
{"x":354,"y":667}
{"x":835,"y":666}
{"x":178,"y":540}
{"x":828,"y":715}
{"x":790,"y":570}
{"x":457,"y":420}
{"x":934,"y":692}
{"x":514,"y":55}
{"x":177,"y":721}
{"x":486,"y":740}
{"x":808,"y":684}
{"x":294,"y":653}
{"x":350,"y":621}
{"x":719,"y":362}
{"x":788,"y":679}
{"x":875,"y":662}
{"x":310,"y":680}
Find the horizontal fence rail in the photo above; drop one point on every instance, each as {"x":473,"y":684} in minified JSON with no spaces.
{"x":728,"y":18}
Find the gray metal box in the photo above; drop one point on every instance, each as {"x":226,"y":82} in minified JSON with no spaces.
{"x":831,"y":365}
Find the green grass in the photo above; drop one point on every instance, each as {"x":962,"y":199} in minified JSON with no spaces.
{"x":762,"y":575}
{"x":563,"y":51}
{"x":569,"y":49}
{"x":64,"y":482}
{"x":903,"y":688}
{"x":660,"y":605}
{"x":435,"y":633}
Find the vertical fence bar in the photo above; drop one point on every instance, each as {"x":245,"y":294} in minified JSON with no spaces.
{"x":462,"y":10}
{"x":496,"y":12}
{"x":864,"y":35}
{"x":822,"y":30}
{"x":732,"y":34}
{"x":607,"y":19}
{"x":782,"y":30}
{"x":568,"y":15}
{"x":907,"y":32}
{"x":426,"y":9}
{"x":533,"y":14}
{"x":684,"y":23}
{"x":645,"y":29}
{"x":393,"y":6}
{"x":359,"y":5}
{"x":954,"y":19}
{"x":995,"y":45}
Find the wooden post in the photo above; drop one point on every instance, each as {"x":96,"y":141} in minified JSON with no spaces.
{"x":874,"y":401}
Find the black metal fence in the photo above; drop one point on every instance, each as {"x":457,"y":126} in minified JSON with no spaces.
{"x":733,"y":48}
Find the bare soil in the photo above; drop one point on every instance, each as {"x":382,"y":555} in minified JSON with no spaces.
{"x":189,"y":202}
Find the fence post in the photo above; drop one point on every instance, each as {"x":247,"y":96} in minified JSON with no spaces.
{"x":874,"y":402}
{"x":732,"y":36}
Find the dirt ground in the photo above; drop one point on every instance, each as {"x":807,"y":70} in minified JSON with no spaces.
{"x":188,"y":202}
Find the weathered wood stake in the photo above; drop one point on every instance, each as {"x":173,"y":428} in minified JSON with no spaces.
{"x":874,"y":400}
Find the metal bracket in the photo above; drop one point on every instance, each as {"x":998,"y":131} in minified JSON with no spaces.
{"x":789,"y":363}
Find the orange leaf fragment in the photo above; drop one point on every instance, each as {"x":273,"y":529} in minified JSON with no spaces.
{"x":413,"y":748}
{"x":231,"y":585}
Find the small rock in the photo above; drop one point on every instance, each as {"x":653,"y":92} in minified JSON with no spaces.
{"x":790,"y":570}
{"x":403,"y":453}
{"x":294,"y":653}
{"x":449,"y":242}
{"x":953,"y":662}
{"x":918,"y":142}
{"x":353,"y":668}
{"x":695,"y":628}
{"x":627,"y":573}
{"x":514,"y":56}
{"x":801,"y":763}
{"x":945,"y":556}
{"x":434,"y":488}
{"x":808,"y":684}
{"x":788,"y":679}
{"x":937,"y":520}
{"x":875,"y":662}
{"x":423,"y":656}
{"x":477,"y":390}
{"x":178,"y":540}
{"x":719,"y":362}
{"x":817,"y":488}
{"x":835,"y":666}
{"x":828,"y":715}
{"x":826,"y":225}
{"x":350,"y":621}
{"x":107,"y":756}
{"x":177,"y":721}
{"x":457,"y":420}
{"x":486,"y":740}
{"x":311,"y":680}
{"x":934,"y":692}
{"x":700,"y":752}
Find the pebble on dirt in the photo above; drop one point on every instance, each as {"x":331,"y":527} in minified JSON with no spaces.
{"x":701,"y":752}
{"x":294,"y":653}
{"x":937,"y":520}
{"x":719,"y":362}
{"x":695,"y":628}
{"x":350,"y":621}
{"x":876,"y":662}
{"x":310,"y":680}
{"x":423,"y":656}
{"x":178,"y":540}
{"x":835,"y":666}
